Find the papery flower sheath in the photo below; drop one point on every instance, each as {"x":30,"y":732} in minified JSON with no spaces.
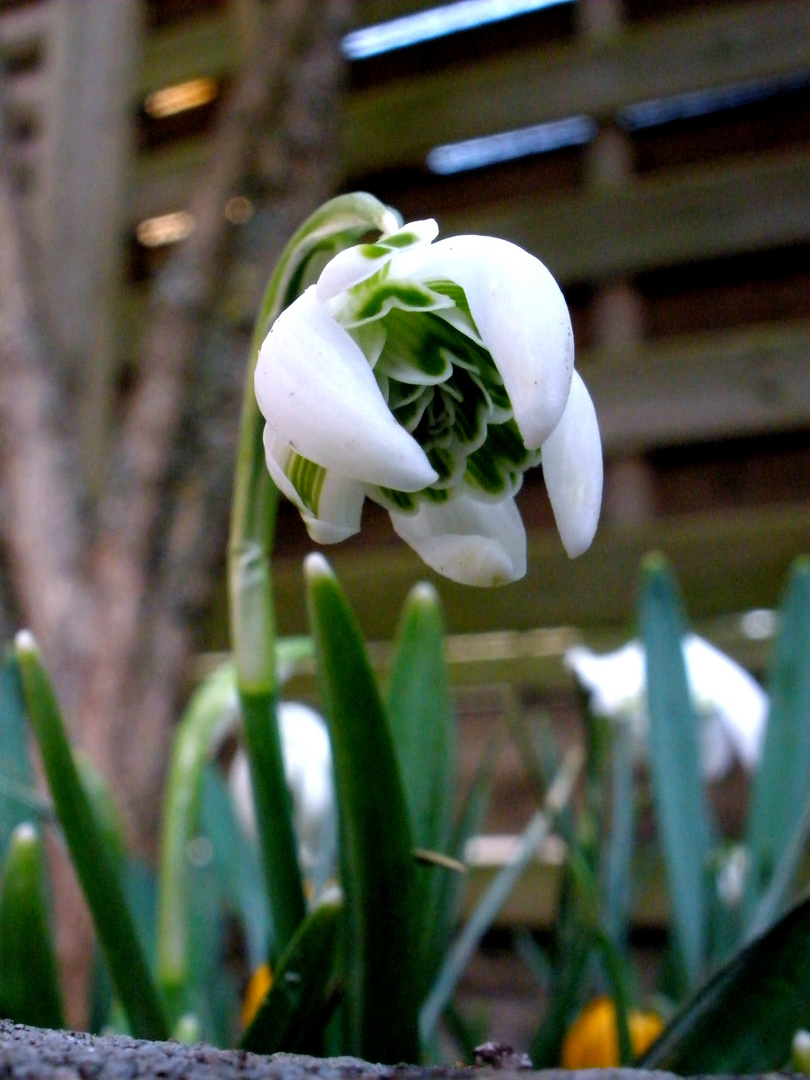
{"x":429,"y":377}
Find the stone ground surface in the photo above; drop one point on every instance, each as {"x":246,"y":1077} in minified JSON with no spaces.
{"x":33,"y":1054}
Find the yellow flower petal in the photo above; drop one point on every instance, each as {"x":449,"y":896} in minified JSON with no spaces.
{"x":260,"y":983}
{"x":592,"y":1041}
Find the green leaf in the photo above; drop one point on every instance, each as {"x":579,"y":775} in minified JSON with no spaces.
{"x":236,"y":862}
{"x":616,"y":862}
{"x":95,"y":864}
{"x":683,"y":813}
{"x":488,"y":907}
{"x":376,"y":861}
{"x":213,"y":706}
{"x":423,"y":731}
{"x":292,"y":1016}
{"x":780,"y":791}
{"x":19,"y":799}
{"x":743,"y":1020}
{"x":273,"y":803}
{"x":29,"y":989}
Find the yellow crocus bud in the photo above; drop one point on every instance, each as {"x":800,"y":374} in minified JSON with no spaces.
{"x":260,"y":982}
{"x":592,"y":1041}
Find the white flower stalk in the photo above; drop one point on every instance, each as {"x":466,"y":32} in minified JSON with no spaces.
{"x":730,"y":705}
{"x":429,"y":377}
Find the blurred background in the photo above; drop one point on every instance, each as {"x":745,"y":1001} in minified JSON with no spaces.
{"x":158,"y":153}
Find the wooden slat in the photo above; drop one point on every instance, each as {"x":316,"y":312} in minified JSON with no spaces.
{"x":398,"y":123}
{"x":726,"y":562}
{"x":527,"y":658}
{"x":165,"y":177}
{"x":207,"y":45}
{"x":707,"y":386}
{"x":685,"y":215}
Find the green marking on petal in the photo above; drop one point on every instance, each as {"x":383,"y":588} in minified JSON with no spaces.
{"x":396,"y":500}
{"x":307,"y":478}
{"x":385,"y":295}
{"x":401,"y":239}
{"x":497,"y":467}
{"x":437,"y":495}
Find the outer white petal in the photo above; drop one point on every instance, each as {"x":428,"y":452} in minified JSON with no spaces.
{"x":521,"y":315}
{"x":720,"y":686}
{"x":614,"y":680}
{"x":318,"y":395}
{"x":340,"y":505}
{"x":353,"y":265}
{"x":467,"y":541}
{"x":572,"y":468}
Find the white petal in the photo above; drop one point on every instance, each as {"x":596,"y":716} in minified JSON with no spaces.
{"x":722,"y":687}
{"x":319,"y":397}
{"x":467,"y":541}
{"x":340,"y":502}
{"x":716,"y":756}
{"x":572,"y":468}
{"x":355,"y":264}
{"x":614,"y":680}
{"x":339,"y":510}
{"x":521,"y":315}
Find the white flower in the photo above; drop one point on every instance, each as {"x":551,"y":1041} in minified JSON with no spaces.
{"x":731,"y":705}
{"x":307,"y":758}
{"x":429,"y":377}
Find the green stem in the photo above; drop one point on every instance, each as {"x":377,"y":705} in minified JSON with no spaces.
{"x":92,"y":859}
{"x":336,"y":225}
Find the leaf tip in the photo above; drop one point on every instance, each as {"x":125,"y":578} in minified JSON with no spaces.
{"x":316,"y":568}
{"x":25,"y":644}
{"x":425,"y":595}
{"x":24,"y":835}
{"x":654,"y":563}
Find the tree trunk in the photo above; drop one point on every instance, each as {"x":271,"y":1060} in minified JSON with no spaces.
{"x":114,"y":591}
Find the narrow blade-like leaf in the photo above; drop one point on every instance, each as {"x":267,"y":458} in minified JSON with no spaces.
{"x":780,"y":789}
{"x":744,"y":1019}
{"x":293,"y":1013}
{"x":423,"y":730}
{"x":95,"y":864}
{"x":29,"y":989}
{"x":19,"y":800}
{"x":683,"y":813}
{"x":377,"y":869}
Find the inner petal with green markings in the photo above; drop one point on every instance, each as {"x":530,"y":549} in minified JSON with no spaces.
{"x":440,"y":383}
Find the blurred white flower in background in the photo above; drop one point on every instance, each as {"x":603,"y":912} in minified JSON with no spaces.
{"x":308,"y":769}
{"x":730,"y":705}
{"x":429,"y":377}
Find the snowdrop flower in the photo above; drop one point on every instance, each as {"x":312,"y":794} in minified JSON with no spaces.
{"x":429,"y":377}
{"x":731,"y":706}
{"x":308,"y":770}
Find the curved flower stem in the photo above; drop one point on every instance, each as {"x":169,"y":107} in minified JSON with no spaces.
{"x":339,"y":223}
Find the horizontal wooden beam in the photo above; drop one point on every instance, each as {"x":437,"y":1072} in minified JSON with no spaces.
{"x":701,"y":386}
{"x":683,"y":215}
{"x":726,"y":562}
{"x":397,"y":123}
{"x":207,"y":45}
